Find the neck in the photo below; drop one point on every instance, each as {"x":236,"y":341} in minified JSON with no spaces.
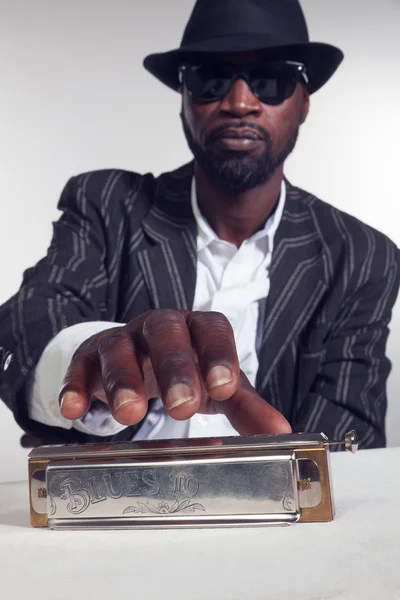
{"x":235,"y":217}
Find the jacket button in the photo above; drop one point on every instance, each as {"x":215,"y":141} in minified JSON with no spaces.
{"x":7,"y":362}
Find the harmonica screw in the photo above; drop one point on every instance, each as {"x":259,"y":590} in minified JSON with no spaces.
{"x":350,"y":442}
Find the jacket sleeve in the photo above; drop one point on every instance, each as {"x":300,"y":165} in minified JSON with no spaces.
{"x":349,"y":391}
{"x":42,"y":399}
{"x":68,"y":286}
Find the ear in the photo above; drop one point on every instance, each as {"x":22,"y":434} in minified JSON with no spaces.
{"x":306,"y":105}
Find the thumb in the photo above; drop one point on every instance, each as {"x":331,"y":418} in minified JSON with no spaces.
{"x":250,"y":414}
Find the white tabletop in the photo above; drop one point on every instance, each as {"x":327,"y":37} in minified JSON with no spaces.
{"x":355,"y":557}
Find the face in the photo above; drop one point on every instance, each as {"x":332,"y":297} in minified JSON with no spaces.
{"x":238,"y":140}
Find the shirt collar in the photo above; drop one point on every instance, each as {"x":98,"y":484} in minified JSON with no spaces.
{"x":206,"y":235}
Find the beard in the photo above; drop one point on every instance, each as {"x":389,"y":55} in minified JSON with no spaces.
{"x":238,"y":172}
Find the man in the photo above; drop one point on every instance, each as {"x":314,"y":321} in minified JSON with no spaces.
{"x":217,"y":299}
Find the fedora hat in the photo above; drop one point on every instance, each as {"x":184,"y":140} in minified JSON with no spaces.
{"x":223,"y":26}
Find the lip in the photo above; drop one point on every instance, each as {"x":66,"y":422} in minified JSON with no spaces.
{"x":241,"y":134}
{"x":239,"y":144}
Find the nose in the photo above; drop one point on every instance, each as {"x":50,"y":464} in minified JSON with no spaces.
{"x":240,"y":101}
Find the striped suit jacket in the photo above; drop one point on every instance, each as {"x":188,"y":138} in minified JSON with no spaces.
{"x":126,"y":243}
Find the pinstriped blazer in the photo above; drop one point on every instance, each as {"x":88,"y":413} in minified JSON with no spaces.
{"x":126,"y":243}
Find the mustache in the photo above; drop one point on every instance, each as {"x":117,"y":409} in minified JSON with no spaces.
{"x":248,"y":125}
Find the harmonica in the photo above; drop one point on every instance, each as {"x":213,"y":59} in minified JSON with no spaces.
{"x":213,"y":482}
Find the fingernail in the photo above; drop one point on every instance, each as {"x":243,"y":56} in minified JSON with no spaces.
{"x":124,"y":397}
{"x":219,"y":376}
{"x":177,"y":395}
{"x":69,"y":398}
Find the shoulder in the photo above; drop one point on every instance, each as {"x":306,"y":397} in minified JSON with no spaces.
{"x":100,"y":187}
{"x":108,"y":189}
{"x":348,"y":240}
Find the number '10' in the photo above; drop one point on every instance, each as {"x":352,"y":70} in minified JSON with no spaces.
{"x":186,"y":485}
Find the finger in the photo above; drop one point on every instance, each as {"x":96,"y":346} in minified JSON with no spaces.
{"x":250,"y":414}
{"x":214,"y":343}
{"x":166,"y":339}
{"x":122,"y":378}
{"x":76,"y":391}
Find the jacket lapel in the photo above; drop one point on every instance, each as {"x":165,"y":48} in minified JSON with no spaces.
{"x":298,"y":280}
{"x":169,"y":266}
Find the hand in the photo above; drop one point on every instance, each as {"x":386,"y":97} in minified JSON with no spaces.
{"x":188,"y":359}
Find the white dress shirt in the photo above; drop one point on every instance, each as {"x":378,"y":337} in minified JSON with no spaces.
{"x":230,"y":280}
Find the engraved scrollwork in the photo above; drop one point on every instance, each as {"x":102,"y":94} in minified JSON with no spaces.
{"x":54,"y":492}
{"x":164,"y":508}
{"x":287,"y":501}
{"x":53,"y":507}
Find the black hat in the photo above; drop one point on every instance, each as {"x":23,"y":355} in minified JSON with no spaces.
{"x":223,"y":26}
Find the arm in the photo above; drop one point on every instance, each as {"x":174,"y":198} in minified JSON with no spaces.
{"x":349,"y":391}
{"x":68,"y":286}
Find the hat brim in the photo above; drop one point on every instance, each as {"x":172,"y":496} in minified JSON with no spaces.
{"x":322,"y":60}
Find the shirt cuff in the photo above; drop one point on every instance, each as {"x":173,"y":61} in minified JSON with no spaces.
{"x":48,"y":377}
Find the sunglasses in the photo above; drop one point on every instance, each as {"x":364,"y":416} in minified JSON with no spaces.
{"x":271,"y":82}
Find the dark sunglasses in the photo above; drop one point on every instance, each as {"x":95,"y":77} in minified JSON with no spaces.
{"x":271,"y":82}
